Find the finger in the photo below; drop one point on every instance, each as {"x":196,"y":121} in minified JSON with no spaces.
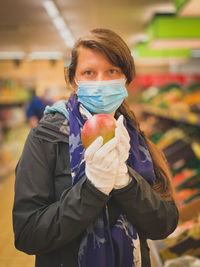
{"x":122,"y":130}
{"x":110,"y":159}
{"x":117,"y":135}
{"x":120,"y":119}
{"x":124,"y":139}
{"x":120,"y":123}
{"x":123,"y":153}
{"x":107,"y":147}
{"x":123,"y":146}
{"x":93,"y":148}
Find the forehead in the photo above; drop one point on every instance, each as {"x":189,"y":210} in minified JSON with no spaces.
{"x":88,"y":56}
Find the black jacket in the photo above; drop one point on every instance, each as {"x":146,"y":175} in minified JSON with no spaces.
{"x":49,"y":214}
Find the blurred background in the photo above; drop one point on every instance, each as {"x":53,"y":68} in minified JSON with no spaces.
{"x":36,"y":38}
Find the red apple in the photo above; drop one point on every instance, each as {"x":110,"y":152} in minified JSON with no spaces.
{"x":98,"y":125}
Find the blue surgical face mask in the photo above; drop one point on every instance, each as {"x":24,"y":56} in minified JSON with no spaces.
{"x":102,"y":96}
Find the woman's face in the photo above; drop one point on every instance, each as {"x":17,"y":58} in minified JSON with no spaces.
{"x":94,"y":66}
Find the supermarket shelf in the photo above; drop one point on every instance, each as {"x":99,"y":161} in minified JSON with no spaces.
{"x":192,"y":197}
{"x":4,"y":104}
{"x":190,"y":182}
{"x":189,"y":117}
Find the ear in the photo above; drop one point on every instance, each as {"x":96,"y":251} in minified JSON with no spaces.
{"x":66,"y":75}
{"x":74,"y":85}
{"x":126,"y":84}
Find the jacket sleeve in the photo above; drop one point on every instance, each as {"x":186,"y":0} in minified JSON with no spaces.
{"x":153,"y":216}
{"x":41,"y":224}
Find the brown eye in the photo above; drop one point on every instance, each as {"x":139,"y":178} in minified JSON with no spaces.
{"x":88,"y":72}
{"x":112,"y":71}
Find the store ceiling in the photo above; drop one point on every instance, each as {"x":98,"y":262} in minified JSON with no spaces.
{"x":26,"y":26}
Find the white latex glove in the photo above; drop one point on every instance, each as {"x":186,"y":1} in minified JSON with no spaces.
{"x":102,"y":164}
{"x":122,"y":178}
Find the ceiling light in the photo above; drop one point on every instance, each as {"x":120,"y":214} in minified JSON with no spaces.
{"x":66,"y":34}
{"x":69,"y":43}
{"x":59,"y":23}
{"x":68,"y":38}
{"x":44,"y":55}
{"x":51,"y":8}
{"x":6,"y":55}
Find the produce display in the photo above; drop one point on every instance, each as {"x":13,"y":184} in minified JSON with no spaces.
{"x":185,"y":240}
{"x":173,"y":102}
{"x":171,"y":116}
{"x":11,"y":148}
{"x":172,"y":95}
{"x":13,"y":91}
{"x":98,"y":125}
{"x":182,"y":261}
{"x":183,"y":159}
{"x":12,"y":116}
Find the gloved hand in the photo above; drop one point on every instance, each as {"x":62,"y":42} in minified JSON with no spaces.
{"x":102,"y":164}
{"x":122,"y":178}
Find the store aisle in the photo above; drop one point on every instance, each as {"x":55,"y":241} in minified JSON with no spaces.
{"x":9,"y":256}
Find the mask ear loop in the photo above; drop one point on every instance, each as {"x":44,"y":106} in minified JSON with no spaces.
{"x":75,"y":92}
{"x":76,"y":82}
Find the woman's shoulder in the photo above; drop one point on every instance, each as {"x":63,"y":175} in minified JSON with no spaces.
{"x":53,"y":127}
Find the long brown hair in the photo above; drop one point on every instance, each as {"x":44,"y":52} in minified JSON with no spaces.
{"x":116,"y":50}
{"x":163,"y":185}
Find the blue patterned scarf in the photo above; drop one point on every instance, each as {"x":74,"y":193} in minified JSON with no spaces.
{"x":96,"y":248}
{"x":99,"y":239}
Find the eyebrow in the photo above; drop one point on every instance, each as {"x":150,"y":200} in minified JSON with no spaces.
{"x":93,"y":68}
{"x":86,"y":68}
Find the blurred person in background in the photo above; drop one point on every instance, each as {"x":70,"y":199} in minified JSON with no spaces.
{"x":96,"y":206}
{"x":36,"y":107}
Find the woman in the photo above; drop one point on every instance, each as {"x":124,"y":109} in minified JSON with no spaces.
{"x":94,"y":207}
